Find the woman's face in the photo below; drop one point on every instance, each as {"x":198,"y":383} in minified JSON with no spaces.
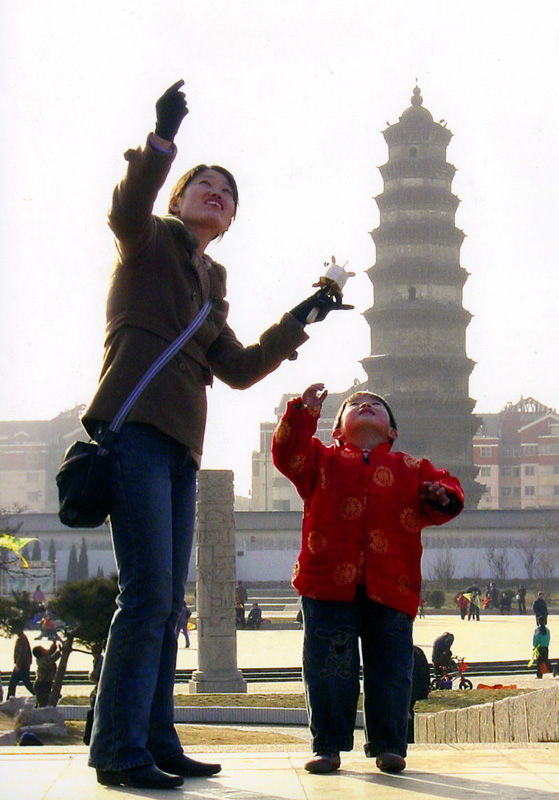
{"x":207,"y":202}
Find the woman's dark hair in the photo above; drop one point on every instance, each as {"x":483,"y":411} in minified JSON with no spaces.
{"x":189,"y":176}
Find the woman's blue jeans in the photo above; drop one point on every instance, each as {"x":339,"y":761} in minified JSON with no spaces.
{"x":332,"y":632}
{"x":153,"y":486}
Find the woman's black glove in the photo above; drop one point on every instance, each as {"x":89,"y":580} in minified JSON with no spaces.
{"x":171,"y":109}
{"x":317,"y":307}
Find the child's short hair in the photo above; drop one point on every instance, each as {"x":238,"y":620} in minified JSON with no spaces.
{"x":338,"y":420}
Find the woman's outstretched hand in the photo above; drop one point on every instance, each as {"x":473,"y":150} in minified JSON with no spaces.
{"x":171,"y":109}
{"x":317,"y":307}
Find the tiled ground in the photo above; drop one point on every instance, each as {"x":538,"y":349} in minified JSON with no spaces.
{"x":456,"y":773}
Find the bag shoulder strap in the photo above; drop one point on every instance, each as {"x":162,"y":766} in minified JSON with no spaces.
{"x":156,"y":367}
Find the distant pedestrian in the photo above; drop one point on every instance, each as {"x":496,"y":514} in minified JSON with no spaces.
{"x":441,"y":655}
{"x":239,"y":615}
{"x":38,"y":596}
{"x":241,"y":594}
{"x":22,"y":665}
{"x":540,"y":641}
{"x":540,"y":608}
{"x":463,"y":604}
{"x":505,"y":601}
{"x":475,"y":605}
{"x":421,"y":608}
{"x":254,"y":619}
{"x":45,"y":674}
{"x":47,"y":627}
{"x":521,"y":599}
{"x":182,"y":623}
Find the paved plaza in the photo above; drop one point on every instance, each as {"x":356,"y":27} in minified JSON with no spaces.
{"x":456,"y":772}
{"x":495,"y":638}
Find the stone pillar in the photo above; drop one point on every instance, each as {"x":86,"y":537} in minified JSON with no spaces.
{"x":215,"y":586}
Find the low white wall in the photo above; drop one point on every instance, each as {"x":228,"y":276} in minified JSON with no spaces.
{"x":530,"y":717}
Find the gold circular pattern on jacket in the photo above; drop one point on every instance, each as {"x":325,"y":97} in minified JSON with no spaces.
{"x":403,"y":583}
{"x":374,"y":597}
{"x":297,"y":464}
{"x":283,"y":432}
{"x":410,"y":520}
{"x":383,"y":476}
{"x":351,"y":508}
{"x":296,"y":570}
{"x":316,"y":542}
{"x":322,"y":478}
{"x":345,"y":574}
{"x":411,"y":461}
{"x":378,"y":541}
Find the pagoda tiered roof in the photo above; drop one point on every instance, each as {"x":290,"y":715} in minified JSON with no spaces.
{"x":407,"y":232}
{"x":406,"y":311}
{"x":418,"y":271}
{"x":417,"y":198}
{"x":418,"y":168}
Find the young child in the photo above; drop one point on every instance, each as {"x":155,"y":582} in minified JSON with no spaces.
{"x":359,"y":568}
{"x":45,"y":673}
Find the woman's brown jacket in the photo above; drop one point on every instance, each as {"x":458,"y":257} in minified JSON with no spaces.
{"x":157,"y":287}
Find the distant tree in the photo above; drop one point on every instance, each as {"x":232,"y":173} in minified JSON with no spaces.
{"x":87,"y":607}
{"x":36,"y":551}
{"x":545,"y":571}
{"x":528,"y":552}
{"x":52,"y":552}
{"x":490,"y":555}
{"x":15,"y":613}
{"x":7,"y":522}
{"x":501,"y":565}
{"x":100,"y":573}
{"x":475,"y":570}
{"x":444,"y":568}
{"x":72,"y":574}
{"x":83,"y":562}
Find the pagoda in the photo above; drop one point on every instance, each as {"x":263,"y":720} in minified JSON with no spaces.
{"x":418,"y":324}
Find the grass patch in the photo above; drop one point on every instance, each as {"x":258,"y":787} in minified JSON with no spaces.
{"x":448,"y":699}
{"x":437,"y":701}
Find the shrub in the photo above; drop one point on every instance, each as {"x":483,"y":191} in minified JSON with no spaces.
{"x":436,"y":598}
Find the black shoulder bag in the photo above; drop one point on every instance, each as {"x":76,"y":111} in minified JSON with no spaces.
{"x":83,"y":477}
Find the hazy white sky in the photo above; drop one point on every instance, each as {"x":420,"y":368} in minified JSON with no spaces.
{"x":292,"y":96}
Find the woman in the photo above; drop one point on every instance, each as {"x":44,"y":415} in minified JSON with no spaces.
{"x":161,"y":279}
{"x":540,"y":642}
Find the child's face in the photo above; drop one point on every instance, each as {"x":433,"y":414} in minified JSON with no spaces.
{"x":365,"y":413}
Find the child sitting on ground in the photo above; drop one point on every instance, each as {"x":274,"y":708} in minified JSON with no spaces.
{"x":359,"y":569}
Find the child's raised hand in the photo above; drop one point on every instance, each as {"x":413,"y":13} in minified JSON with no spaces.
{"x":315,"y":395}
{"x":435,"y":494}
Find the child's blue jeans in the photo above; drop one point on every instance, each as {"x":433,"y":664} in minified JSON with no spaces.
{"x":331,"y":673}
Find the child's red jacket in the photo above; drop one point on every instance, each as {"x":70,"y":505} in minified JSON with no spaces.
{"x":362,"y":521}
